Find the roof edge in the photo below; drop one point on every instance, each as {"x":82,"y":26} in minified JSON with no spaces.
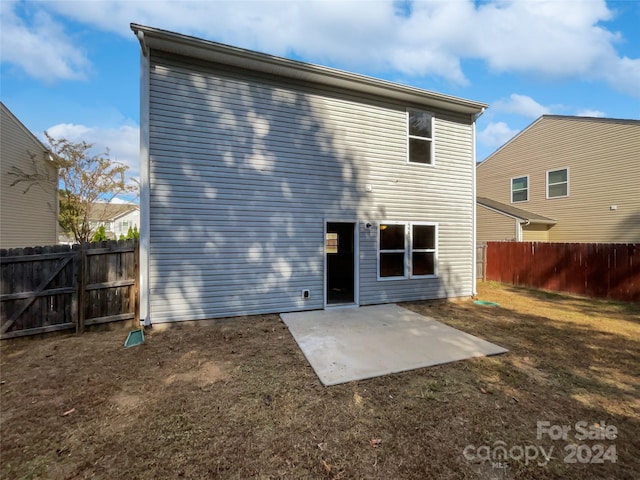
{"x":194,"y":47}
{"x":591,"y":119}
{"x":496,"y":208}
{"x":557,"y":117}
{"x":24,"y":127}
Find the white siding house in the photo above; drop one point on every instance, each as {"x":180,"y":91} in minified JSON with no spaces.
{"x":270,"y":185}
{"x":116,"y":218}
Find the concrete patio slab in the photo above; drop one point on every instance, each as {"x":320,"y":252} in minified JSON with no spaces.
{"x":346,"y":344}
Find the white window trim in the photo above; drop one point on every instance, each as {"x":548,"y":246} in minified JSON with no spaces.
{"x":428,"y":250}
{"x":558,"y":183}
{"x":408,"y":250}
{"x":511,"y":189}
{"x":431,"y":139}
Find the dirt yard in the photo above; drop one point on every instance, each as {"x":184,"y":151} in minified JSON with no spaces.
{"x":237,"y":399}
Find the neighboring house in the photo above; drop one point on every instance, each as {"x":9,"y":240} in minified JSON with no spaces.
{"x":117,"y":218}
{"x":563,"y":179}
{"x":271,"y":185}
{"x":27,"y":219}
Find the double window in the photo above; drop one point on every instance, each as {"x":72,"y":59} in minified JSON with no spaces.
{"x":558,"y":183}
{"x":420,"y":136}
{"x":519,"y":189}
{"x":407,"y":250}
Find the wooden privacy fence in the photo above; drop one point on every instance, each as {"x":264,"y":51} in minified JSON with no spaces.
{"x":481,"y":260}
{"x":599,"y":270}
{"x":59,"y":287}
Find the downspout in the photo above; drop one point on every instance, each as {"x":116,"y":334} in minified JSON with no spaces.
{"x":143,"y":45}
{"x":519,"y":234}
{"x":145,"y":289}
{"x":474,"y":246}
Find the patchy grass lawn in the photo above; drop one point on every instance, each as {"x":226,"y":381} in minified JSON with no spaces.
{"x":237,"y":399}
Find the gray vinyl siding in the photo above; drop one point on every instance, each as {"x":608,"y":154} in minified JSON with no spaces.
{"x":246,"y":169}
{"x":26,"y":219}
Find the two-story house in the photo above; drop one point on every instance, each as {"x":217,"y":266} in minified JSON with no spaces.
{"x":116,"y":218}
{"x":563,"y":179}
{"x":28,"y":212}
{"x":272,"y":185}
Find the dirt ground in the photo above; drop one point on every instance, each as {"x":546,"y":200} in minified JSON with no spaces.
{"x":237,"y":399}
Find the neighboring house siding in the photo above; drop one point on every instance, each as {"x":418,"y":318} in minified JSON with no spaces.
{"x":116,"y":218}
{"x":535,"y":233}
{"x":122,"y":224}
{"x":26,"y":219}
{"x":604,"y":170}
{"x":245,"y":170}
{"x":494,"y":226}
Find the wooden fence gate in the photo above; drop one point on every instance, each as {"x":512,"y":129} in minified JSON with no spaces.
{"x":44,"y":289}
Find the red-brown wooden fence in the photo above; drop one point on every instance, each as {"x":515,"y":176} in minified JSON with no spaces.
{"x":602,"y":270}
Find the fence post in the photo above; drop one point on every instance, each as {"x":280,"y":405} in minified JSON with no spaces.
{"x":484,"y":262}
{"x":135,"y":295}
{"x":82,"y":283}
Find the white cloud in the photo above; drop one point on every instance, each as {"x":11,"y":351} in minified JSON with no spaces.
{"x":119,"y":201}
{"x":496,"y":134}
{"x":122,"y":142}
{"x":40,"y":46}
{"x":587,"y":112}
{"x":521,"y":105}
{"x":544,"y":38}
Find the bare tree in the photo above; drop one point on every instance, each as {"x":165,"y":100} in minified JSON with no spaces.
{"x":83,"y":180}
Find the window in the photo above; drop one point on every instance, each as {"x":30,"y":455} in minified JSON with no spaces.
{"x":558,"y":183}
{"x":407,"y":250}
{"x":420,"y":137}
{"x":331,"y":243}
{"x":423,"y":250}
{"x":393,"y":248}
{"x":519,"y":189}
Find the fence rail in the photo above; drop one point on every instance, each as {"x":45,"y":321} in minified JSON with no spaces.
{"x":44,"y":289}
{"x":599,"y":270}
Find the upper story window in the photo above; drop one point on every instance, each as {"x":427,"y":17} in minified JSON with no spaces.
{"x":520,"y":189}
{"x":558,"y":183}
{"x":420,"y":136}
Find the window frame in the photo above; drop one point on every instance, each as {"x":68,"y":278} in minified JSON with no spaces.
{"x":556,"y":183}
{"x":431,"y":140}
{"x":408,"y":250}
{"x":424,"y":250}
{"x":404,"y":250}
{"x":520,"y":190}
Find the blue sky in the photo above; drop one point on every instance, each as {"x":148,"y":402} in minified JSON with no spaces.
{"x":72,"y":67}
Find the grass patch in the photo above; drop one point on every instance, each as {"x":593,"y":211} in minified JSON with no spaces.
{"x":237,"y":399}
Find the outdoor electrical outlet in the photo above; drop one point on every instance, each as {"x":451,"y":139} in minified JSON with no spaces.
{"x":306,"y":293}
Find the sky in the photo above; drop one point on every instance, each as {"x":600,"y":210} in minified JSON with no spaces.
{"x":71,"y":68}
